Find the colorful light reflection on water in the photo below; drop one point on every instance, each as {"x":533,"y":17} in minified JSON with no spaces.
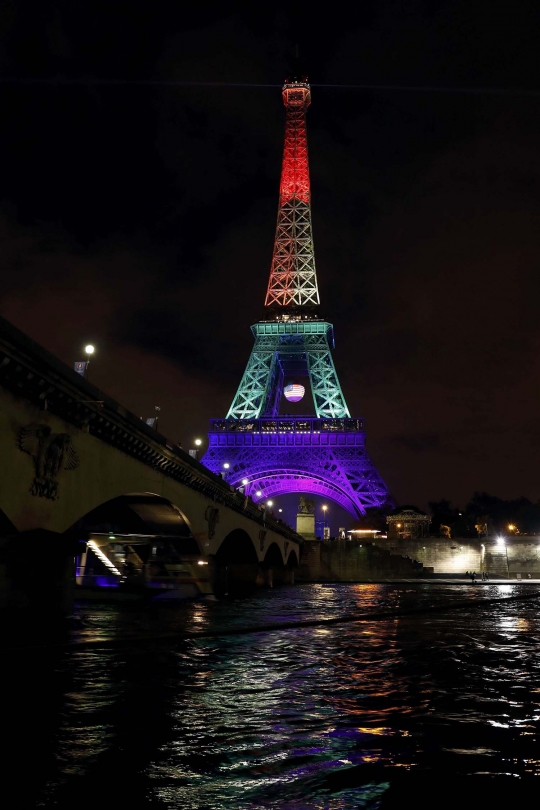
{"x":320,"y":717}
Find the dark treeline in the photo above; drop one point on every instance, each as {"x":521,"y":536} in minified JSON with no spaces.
{"x":483,"y":512}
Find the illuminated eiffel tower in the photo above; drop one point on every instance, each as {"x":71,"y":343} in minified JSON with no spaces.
{"x":266,"y":453}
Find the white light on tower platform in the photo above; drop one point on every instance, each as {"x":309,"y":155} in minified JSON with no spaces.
{"x":226,"y":466}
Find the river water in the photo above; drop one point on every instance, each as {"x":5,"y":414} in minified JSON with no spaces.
{"x":411,"y":709}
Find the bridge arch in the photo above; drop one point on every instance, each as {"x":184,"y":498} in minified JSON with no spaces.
{"x":237,"y":548}
{"x":273,"y":557}
{"x":236,"y":563}
{"x":292,"y":560}
{"x":6,"y":526}
{"x":136,"y":513}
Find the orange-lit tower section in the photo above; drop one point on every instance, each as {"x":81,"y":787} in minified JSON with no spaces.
{"x":293,"y":279}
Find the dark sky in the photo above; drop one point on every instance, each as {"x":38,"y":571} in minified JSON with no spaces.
{"x":141,"y":216}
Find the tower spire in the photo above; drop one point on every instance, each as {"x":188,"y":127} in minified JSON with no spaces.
{"x":293,"y":278}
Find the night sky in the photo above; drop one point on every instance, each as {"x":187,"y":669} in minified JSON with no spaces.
{"x":139,"y":214}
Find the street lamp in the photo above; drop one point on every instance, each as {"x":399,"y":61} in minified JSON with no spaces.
{"x":258,"y":493}
{"x":269,"y":503}
{"x":193,"y":452}
{"x":326,"y":531}
{"x":245,"y":482}
{"x":89,"y":350}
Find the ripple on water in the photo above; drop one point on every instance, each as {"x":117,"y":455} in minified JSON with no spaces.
{"x":314,"y":717}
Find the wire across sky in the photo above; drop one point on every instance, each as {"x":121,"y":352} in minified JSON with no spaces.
{"x":83,"y":81}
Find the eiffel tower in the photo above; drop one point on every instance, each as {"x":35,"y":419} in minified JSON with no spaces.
{"x":255,"y":447}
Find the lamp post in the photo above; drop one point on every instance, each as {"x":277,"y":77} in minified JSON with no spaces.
{"x":326,"y":530}
{"x":243,"y":485}
{"x":89,"y":350}
{"x":193,"y":452}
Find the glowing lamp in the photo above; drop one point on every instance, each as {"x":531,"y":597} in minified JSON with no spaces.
{"x":89,"y":349}
{"x":294,"y":392}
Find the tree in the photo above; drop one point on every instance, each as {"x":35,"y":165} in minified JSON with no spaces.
{"x":442,"y":514}
{"x":501,"y":514}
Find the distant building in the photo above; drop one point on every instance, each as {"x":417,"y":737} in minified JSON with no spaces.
{"x":407,"y":523}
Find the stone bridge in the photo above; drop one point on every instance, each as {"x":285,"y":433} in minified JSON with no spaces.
{"x":69,"y":452}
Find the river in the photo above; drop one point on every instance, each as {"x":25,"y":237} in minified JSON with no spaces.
{"x":360,"y":714}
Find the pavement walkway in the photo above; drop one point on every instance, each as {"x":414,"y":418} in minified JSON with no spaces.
{"x":427,"y":581}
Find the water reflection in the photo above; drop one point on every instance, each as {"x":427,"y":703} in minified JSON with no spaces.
{"x":315,"y":717}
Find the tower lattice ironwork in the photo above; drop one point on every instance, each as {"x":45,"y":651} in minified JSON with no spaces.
{"x":255,"y":446}
{"x":293,"y":279}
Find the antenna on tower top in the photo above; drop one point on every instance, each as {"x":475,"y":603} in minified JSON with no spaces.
{"x":297,"y":73}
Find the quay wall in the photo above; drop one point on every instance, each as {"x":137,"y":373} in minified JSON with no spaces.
{"x":358,"y":561}
{"x":352,"y":561}
{"x":513,"y":557}
{"x":444,"y":556}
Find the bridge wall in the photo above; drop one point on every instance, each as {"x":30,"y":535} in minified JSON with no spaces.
{"x":105,"y":472}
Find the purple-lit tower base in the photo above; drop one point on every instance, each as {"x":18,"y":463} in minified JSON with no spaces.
{"x":280,"y":455}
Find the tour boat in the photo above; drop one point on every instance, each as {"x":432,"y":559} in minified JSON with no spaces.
{"x":138,"y":566}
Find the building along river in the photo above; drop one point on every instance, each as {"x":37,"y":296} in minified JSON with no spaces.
{"x":421,"y":703}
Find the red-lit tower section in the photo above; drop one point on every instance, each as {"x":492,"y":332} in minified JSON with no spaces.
{"x":293,"y":279}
